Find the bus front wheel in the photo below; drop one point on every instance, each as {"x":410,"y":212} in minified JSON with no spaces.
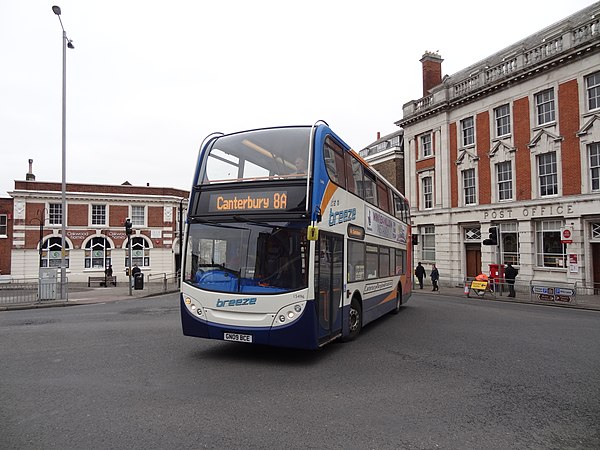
{"x":398,"y":306}
{"x":354,"y":320}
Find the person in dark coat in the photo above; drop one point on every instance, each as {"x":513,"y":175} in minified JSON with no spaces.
{"x":420,"y":274}
{"x":107,"y":274}
{"x":435,"y":276}
{"x":510,"y":273}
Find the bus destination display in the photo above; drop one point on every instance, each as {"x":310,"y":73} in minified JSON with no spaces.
{"x":248,"y":201}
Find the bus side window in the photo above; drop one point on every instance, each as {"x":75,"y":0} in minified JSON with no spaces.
{"x":398,"y":207}
{"x":383,"y":196}
{"x":370,"y":188}
{"x":354,"y":174}
{"x":334,"y":161}
{"x":372,"y":261}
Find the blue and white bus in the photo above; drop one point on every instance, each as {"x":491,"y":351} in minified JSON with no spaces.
{"x":291,"y":240}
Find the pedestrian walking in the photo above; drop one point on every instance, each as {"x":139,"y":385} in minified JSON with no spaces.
{"x":510,"y":273}
{"x":435,"y":276}
{"x":420,"y":274}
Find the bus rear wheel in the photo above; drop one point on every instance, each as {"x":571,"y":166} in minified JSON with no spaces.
{"x":354,"y":320}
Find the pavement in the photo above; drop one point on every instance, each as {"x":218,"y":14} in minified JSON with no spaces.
{"x":82,"y":295}
{"x":590,"y":302}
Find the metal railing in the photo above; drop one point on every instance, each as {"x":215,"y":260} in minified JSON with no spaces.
{"x":161,"y":283}
{"x":29,"y":290}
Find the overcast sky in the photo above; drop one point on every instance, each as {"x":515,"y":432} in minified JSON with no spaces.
{"x":148,"y":80}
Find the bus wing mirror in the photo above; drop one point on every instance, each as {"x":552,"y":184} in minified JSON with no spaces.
{"x":312,"y":234}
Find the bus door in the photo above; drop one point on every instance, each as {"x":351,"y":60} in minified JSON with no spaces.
{"x":329,"y":282}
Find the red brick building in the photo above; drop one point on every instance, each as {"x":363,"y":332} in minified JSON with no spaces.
{"x":6,"y":232}
{"x":511,"y":142}
{"x":95,"y":233}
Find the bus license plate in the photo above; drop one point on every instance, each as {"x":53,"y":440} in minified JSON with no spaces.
{"x":237,"y":337}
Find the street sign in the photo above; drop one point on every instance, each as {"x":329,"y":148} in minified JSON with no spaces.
{"x":566,"y":235}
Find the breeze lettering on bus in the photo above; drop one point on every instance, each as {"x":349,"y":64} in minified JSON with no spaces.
{"x":252,"y":201}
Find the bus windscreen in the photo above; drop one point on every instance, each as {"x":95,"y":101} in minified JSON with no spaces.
{"x":258,"y":155}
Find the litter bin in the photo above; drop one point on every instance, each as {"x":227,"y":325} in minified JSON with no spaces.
{"x":138,"y":281}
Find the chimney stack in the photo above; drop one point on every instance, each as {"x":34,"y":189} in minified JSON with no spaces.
{"x":432,"y":71}
{"x":30,"y":176}
{"x":378,"y":135}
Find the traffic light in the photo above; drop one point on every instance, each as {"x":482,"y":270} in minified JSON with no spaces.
{"x":128,"y":227}
{"x":415,"y":239}
{"x":493,"y":237}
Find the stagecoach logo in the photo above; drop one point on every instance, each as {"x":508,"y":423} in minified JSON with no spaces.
{"x":236,"y":302}
{"x":378,"y":286}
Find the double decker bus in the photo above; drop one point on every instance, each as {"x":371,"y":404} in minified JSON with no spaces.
{"x":291,"y":240}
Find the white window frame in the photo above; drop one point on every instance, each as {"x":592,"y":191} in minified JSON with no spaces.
{"x":137,"y":220}
{"x":428,"y":242}
{"x":95,"y":215}
{"x":502,"y":120}
{"x":507,"y":233}
{"x":594,"y":158}
{"x":140,"y":252}
{"x":592,"y":89}
{"x":504,"y":181}
{"x":426,"y":141}
{"x":55,"y":217}
{"x":427,"y":194}
{"x":549,"y":232}
{"x":467,"y":127}
{"x":91,"y":247}
{"x":51,"y":252}
{"x":545,"y":109}
{"x":547,"y":174}
{"x":469,"y":186}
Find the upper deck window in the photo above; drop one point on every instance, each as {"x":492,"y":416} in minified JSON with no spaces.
{"x":257,"y":155}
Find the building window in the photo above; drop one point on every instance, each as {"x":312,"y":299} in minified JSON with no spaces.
{"x":502,"y":116}
{"x":428,"y":243}
{"x":550,"y":251}
{"x":548,"y":174}
{"x":138,"y":215}
{"x":468,"y":131}
{"x":596,"y":231}
{"x":427,"y":187}
{"x":473,"y":234}
{"x":468,"y":177}
{"x":55,"y":213}
{"x":51,"y":254}
{"x":3,"y":225}
{"x":97,"y":253}
{"x":592,"y":84}
{"x":98,"y":214}
{"x":426,"y":147}
{"x":595,"y":165}
{"x":544,"y":104}
{"x":509,"y":243}
{"x":140,"y":253}
{"x":504,"y":174}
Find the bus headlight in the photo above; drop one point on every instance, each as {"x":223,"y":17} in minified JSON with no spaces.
{"x":289,"y":314}
{"x":193,"y":305}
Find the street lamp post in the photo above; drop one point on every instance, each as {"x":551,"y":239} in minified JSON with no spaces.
{"x":66,"y":42}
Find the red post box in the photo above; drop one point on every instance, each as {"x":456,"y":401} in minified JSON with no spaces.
{"x":497,"y":271}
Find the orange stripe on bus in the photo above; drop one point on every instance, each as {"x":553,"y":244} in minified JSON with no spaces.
{"x":329,"y":191}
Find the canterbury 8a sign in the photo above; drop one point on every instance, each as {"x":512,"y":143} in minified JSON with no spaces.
{"x":248,"y":201}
